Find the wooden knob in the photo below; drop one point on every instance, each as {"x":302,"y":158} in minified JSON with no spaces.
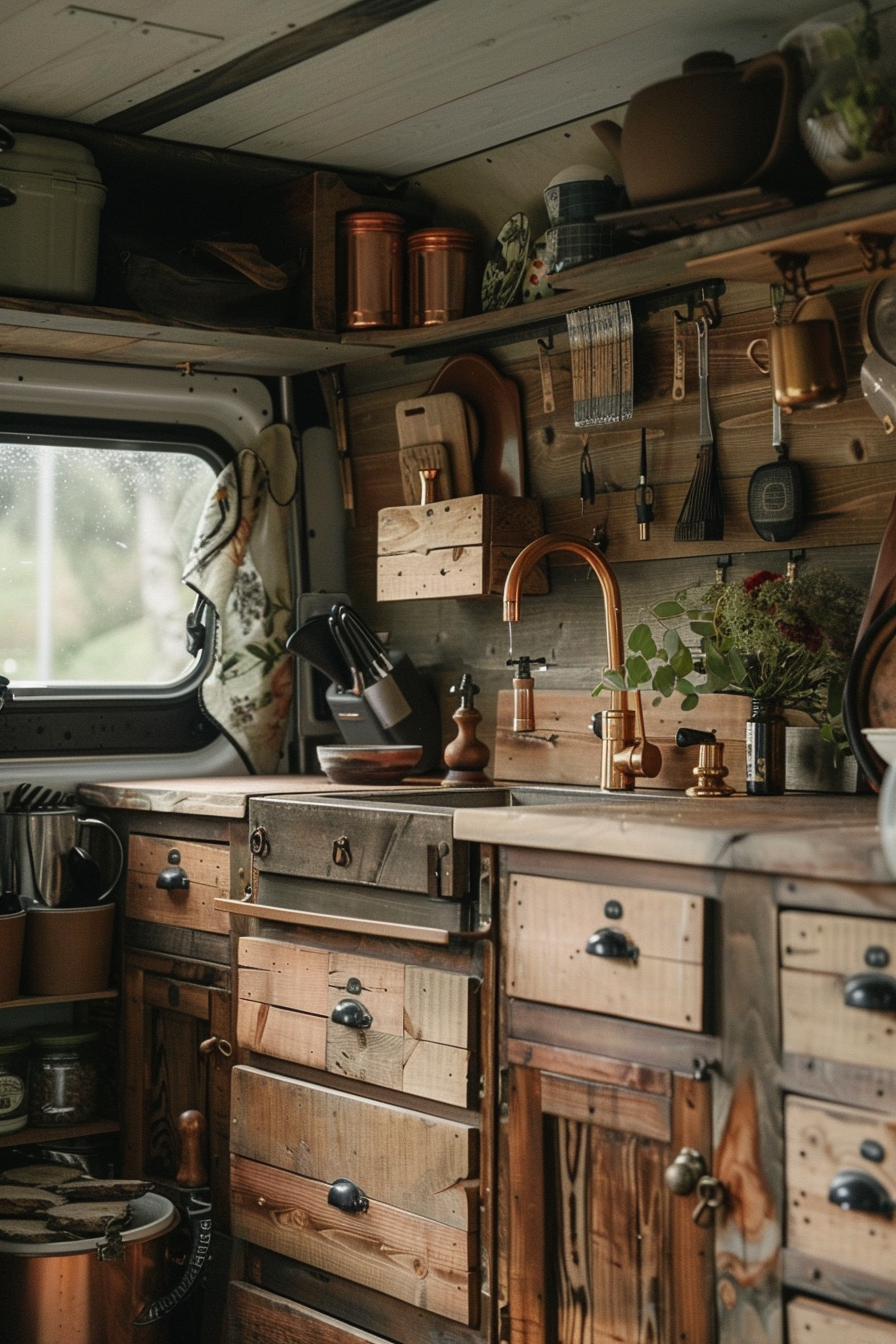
{"x":192,"y":1171}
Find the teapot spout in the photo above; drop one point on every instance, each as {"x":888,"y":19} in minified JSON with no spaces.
{"x":611,"y":136}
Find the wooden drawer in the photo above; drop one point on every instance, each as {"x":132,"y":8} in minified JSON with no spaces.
{"x":208,"y":869}
{"x":422,"y":1028}
{"x":416,"y":1239}
{"x":550,"y":922}
{"x":258,"y":1317}
{"x":820,"y":953}
{"x":824,"y":1141}
{"x":813,"y":1322}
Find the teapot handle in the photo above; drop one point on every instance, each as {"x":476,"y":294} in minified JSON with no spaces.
{"x":786,"y":130}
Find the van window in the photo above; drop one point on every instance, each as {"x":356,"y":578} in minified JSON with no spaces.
{"x":94,"y":535}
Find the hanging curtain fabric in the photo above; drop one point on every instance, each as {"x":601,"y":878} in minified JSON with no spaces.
{"x":239,"y":563}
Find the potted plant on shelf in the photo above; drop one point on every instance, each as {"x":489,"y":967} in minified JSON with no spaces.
{"x":784,"y":641}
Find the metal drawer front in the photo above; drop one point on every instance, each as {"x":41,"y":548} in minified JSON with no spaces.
{"x":206,"y":868}
{"x":402,"y":1026}
{"x":372,"y":846}
{"x":647,"y":946}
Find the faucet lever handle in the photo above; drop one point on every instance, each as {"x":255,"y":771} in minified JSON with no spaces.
{"x":645,"y":757}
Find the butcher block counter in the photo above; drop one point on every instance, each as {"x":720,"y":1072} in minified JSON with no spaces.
{"x":824,"y":835}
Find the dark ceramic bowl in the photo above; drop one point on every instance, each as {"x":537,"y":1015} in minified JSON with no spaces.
{"x":368,"y":765}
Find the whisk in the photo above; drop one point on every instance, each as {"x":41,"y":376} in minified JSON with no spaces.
{"x":702,"y":516}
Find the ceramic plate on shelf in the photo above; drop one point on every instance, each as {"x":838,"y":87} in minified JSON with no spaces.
{"x":504,"y":273}
{"x":538,"y":272}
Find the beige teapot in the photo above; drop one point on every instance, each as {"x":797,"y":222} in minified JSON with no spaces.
{"x":713,"y":128}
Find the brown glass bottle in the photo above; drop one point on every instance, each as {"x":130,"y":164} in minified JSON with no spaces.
{"x":765,"y":748}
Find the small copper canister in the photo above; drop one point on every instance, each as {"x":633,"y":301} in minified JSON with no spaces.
{"x":439,"y":269}
{"x":371,"y":270}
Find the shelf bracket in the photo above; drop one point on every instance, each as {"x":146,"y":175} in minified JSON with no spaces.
{"x":792,"y":267}
{"x":876,"y":249}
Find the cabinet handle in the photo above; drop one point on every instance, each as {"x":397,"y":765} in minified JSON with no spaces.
{"x":342,"y":854}
{"x":684,"y":1171}
{"x":216,"y":1043}
{"x":345,"y":1195}
{"x":350,"y":1013}
{"x":611,"y":943}
{"x":872,"y":991}
{"x":259,"y":843}
{"x":861,"y":1192}
{"x":173,"y":878}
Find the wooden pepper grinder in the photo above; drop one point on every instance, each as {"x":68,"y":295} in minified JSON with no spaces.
{"x":466,"y":757}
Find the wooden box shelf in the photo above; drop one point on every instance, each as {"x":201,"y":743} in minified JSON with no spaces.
{"x":455,"y":548}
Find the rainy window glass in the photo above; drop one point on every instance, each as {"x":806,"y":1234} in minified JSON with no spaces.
{"x":93,"y":542}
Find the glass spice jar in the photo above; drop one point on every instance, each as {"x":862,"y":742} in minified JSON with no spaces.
{"x":64,"y":1080}
{"x":14,"y":1051}
{"x":766,"y":748}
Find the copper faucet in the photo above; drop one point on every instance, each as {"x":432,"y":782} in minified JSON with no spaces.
{"x":626,"y":751}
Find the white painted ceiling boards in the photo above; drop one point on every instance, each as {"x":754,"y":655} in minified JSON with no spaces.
{"x":393,"y":86}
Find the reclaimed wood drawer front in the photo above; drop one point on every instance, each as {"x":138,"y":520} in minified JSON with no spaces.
{"x":206,"y":865}
{"x":820,"y":955}
{"x":421,"y":1034}
{"x":827,"y":1144}
{"x":260,"y":1317}
{"x":813,"y":1322}
{"x":550,"y":922}
{"x":414,"y":1259}
{"x":417,"y":1240}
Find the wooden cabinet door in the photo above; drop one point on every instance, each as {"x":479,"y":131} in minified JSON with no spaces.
{"x":600,"y":1251}
{"x":177,"y":1057}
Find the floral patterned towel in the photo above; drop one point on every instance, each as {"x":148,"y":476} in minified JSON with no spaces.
{"x":239,"y":563}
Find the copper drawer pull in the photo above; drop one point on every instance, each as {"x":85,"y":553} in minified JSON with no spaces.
{"x":342,"y":854}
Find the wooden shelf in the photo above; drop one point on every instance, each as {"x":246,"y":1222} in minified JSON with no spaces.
{"x":825,"y":230}
{"x":118,"y":336}
{"x":828,"y":233}
{"x":57,"y":1133}
{"x":36,"y":1000}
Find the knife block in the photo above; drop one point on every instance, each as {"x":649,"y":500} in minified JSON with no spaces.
{"x":360,"y":724}
{"x":455,"y":548}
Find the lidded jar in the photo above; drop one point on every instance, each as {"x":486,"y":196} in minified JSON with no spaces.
{"x":370,"y":273}
{"x":14,"y":1052}
{"x":439,"y":268}
{"x":64,"y":1082}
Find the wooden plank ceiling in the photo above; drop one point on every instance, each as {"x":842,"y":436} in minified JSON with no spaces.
{"x":390,"y":86}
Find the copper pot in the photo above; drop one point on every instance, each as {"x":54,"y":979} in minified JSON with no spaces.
{"x":439,"y":269}
{"x":370,"y":289}
{"x":804,"y":357}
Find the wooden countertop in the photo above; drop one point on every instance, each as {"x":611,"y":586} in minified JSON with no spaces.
{"x":831,"y":836}
{"x":219,"y":796}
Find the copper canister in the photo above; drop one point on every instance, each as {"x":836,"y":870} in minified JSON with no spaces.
{"x":439,"y":269}
{"x":370,"y":276}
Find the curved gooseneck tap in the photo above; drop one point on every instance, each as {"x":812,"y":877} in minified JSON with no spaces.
{"x":626,"y":750}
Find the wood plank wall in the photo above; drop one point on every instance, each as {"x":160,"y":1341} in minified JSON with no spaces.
{"x":850,"y":464}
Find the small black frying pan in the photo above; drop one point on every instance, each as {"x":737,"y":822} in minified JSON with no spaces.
{"x":776,"y":494}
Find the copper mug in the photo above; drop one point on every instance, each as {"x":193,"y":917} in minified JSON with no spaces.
{"x":804,"y":357}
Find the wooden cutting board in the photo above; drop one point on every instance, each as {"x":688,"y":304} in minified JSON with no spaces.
{"x":439,"y":419}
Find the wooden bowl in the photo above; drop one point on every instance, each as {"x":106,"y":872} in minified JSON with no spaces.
{"x":368,"y":765}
